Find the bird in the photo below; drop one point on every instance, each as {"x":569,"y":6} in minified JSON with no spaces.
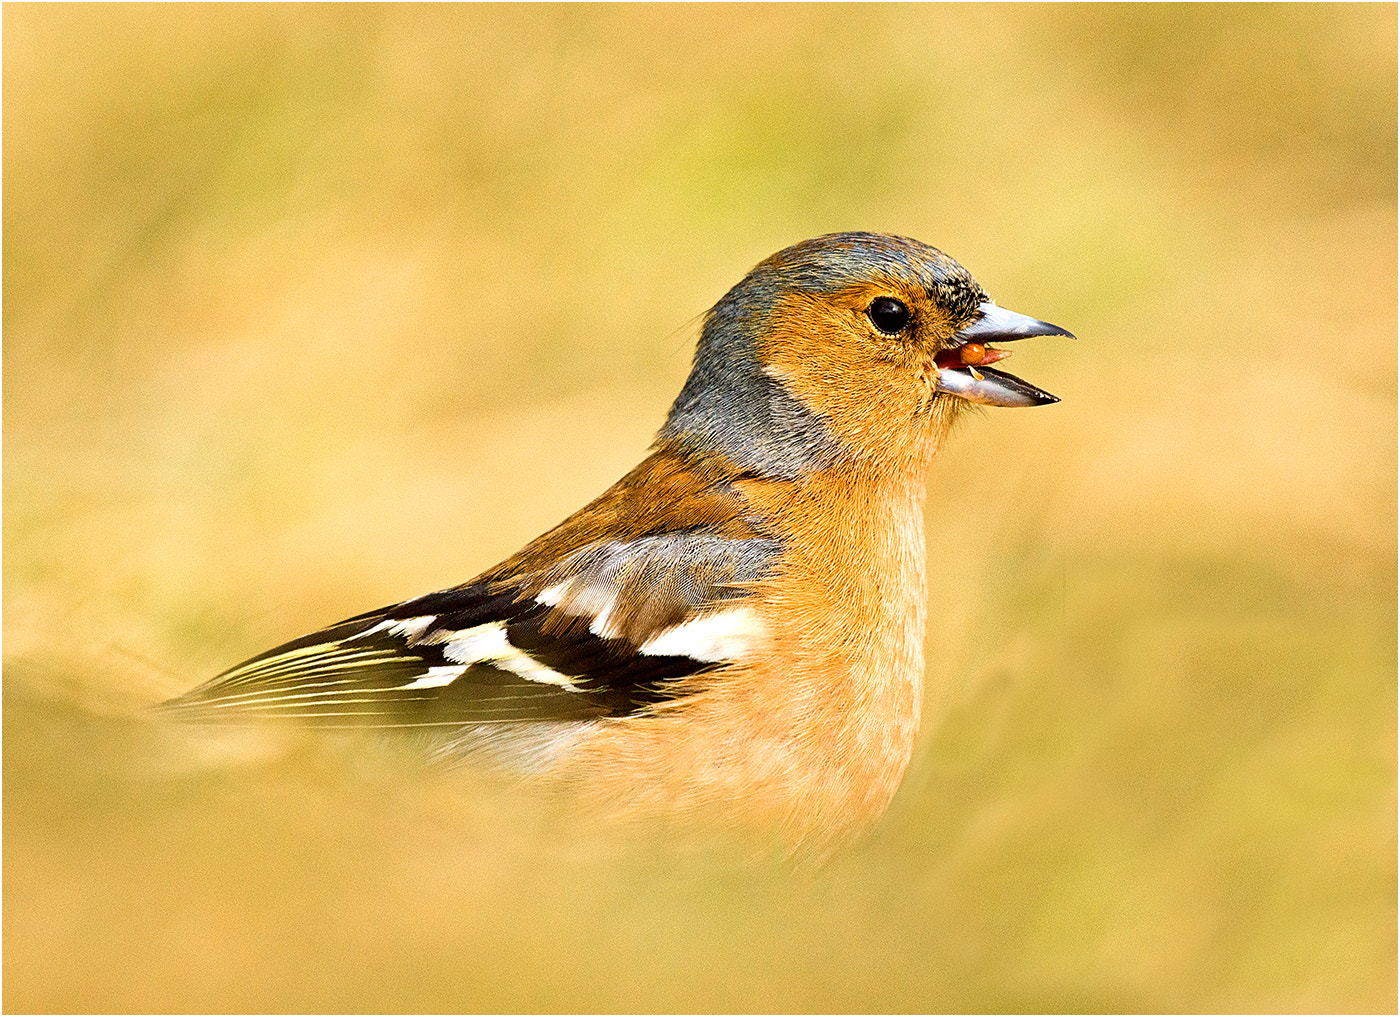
{"x":733,"y":632}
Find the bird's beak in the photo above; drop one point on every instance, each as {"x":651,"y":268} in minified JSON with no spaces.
{"x":963,"y":370}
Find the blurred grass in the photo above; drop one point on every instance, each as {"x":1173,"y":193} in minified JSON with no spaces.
{"x":311,"y":309}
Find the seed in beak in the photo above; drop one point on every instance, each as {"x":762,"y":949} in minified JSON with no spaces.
{"x":970,"y":355}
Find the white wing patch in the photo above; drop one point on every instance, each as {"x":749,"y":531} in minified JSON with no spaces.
{"x":575,"y":598}
{"x":552,"y":596}
{"x":411,"y":629}
{"x":487,"y":644}
{"x":481,"y":644}
{"x":714,"y":638}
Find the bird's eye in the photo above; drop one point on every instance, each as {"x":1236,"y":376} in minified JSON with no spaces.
{"x":889,"y":315}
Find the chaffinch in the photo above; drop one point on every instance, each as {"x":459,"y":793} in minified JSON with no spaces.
{"x":736,"y":627}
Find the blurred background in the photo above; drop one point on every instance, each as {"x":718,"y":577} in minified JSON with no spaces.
{"x":312,"y":309}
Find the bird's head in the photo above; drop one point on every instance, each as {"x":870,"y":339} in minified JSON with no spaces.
{"x":851,"y":347}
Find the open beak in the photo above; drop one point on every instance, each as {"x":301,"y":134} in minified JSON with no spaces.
{"x":963,"y":369}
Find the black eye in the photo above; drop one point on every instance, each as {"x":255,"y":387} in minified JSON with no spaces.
{"x":888,"y":314}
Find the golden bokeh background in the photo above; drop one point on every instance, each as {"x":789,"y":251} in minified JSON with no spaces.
{"x":311,"y":309}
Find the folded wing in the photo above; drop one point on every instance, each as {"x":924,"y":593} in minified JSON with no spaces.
{"x":609,"y":630}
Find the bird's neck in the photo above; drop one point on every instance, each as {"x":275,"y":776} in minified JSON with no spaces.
{"x":847,"y":619}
